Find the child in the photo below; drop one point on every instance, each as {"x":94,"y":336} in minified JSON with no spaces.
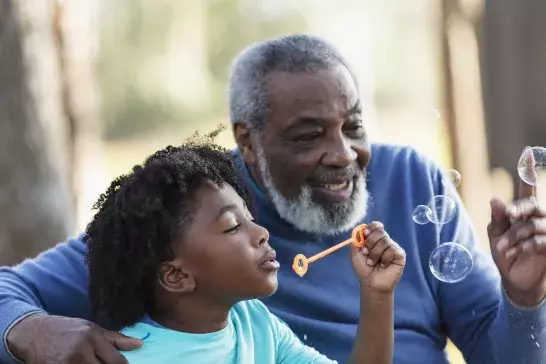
{"x":176,"y":259}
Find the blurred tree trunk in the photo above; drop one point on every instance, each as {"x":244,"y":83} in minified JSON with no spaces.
{"x":464,"y":107}
{"x":35,"y":195}
{"x":77,"y":37}
{"x":48,"y":117}
{"x":514,"y":59}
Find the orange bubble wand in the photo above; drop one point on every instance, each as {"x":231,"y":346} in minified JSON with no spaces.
{"x":301,"y":263}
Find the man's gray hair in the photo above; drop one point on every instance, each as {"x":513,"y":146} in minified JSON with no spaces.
{"x":248,"y":101}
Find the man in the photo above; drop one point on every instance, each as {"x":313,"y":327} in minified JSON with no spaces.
{"x":305,"y":155}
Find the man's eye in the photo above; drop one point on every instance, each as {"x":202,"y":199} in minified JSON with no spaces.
{"x":355,"y":130}
{"x":307,"y":137}
{"x":233,"y":229}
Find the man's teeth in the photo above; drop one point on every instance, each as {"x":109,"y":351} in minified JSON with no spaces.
{"x":338,"y":186}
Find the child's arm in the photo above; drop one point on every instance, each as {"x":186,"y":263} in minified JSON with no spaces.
{"x":375,"y":336}
{"x":379,"y":266}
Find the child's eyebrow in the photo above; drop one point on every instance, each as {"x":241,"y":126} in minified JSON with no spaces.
{"x":227,"y":208}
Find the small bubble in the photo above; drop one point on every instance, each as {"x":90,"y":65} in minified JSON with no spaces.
{"x":305,"y":337}
{"x":532,"y":336}
{"x":436,"y":114}
{"x":450,"y":262}
{"x":420,"y":214}
{"x":531,"y":162}
{"x":453,"y":176}
{"x":442,"y":210}
{"x":538,"y":345}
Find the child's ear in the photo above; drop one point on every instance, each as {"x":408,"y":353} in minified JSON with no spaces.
{"x":175,"y":278}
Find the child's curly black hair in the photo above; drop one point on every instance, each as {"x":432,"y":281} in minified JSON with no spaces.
{"x":138,"y":218}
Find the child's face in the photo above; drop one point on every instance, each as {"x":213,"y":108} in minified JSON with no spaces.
{"x":225,"y":253}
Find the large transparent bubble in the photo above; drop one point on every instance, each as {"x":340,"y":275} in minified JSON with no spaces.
{"x":420,"y":214}
{"x":450,"y":262}
{"x":531,"y":162}
{"x":442,"y":209}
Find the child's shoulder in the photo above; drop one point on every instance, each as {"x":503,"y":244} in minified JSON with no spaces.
{"x":253,"y":310}
{"x":156,"y":341}
{"x":255,"y":314}
{"x":140,"y":330}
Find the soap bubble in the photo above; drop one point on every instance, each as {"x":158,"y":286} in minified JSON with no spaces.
{"x":531,"y":162}
{"x":436,"y":114}
{"x":450,"y":262}
{"x":421,"y":213}
{"x":453,"y":176}
{"x":442,"y":209}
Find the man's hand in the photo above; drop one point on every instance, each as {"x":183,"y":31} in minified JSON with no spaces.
{"x":517,"y":234}
{"x":378,"y":265}
{"x":44,"y":339}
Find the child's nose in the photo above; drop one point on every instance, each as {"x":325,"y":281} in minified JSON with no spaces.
{"x":262,"y":235}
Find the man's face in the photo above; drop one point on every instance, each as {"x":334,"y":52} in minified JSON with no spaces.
{"x":312,"y":154}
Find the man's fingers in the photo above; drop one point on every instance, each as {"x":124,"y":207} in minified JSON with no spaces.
{"x":85,"y":355}
{"x":512,"y":253}
{"x":521,"y":231}
{"x":535,"y":244}
{"x":499,"y":220}
{"x":524,"y":209}
{"x":122,"y":342}
{"x":108,"y":354}
{"x":526,"y":190}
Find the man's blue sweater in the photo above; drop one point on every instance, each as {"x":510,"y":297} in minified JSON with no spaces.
{"x":323,"y":306}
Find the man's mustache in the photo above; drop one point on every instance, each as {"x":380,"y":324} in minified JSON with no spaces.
{"x":325,"y":176}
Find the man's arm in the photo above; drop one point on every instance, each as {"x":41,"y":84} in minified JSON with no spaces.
{"x":478,"y":317}
{"x":54,"y":282}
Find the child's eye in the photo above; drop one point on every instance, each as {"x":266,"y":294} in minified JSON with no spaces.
{"x":233,"y":229}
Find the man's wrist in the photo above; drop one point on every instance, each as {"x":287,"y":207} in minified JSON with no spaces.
{"x":20,"y":334}
{"x":526,"y":300}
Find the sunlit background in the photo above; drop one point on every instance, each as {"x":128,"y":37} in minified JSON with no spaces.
{"x":110,"y":82}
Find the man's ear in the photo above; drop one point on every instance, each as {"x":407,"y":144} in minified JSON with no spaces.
{"x":175,"y":278}
{"x":242,"y":135}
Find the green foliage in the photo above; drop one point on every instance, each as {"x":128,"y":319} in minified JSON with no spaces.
{"x":232,"y":29}
{"x":135,"y":32}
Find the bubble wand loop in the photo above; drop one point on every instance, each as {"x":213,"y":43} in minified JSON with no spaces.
{"x":301,"y":262}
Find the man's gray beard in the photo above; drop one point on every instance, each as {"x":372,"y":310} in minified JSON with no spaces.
{"x":309,"y":216}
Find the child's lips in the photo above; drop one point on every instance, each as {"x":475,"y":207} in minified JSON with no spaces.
{"x":269,"y":261}
{"x":271,"y":265}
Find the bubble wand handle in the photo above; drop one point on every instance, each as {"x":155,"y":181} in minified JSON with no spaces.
{"x":324,"y":253}
{"x":301,"y":263}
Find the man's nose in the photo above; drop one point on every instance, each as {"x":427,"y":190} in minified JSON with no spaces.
{"x":339,"y":153}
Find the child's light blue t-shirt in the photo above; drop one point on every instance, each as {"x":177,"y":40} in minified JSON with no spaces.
{"x":253,"y":335}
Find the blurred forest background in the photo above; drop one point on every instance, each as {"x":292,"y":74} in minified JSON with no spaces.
{"x":88,"y":88}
